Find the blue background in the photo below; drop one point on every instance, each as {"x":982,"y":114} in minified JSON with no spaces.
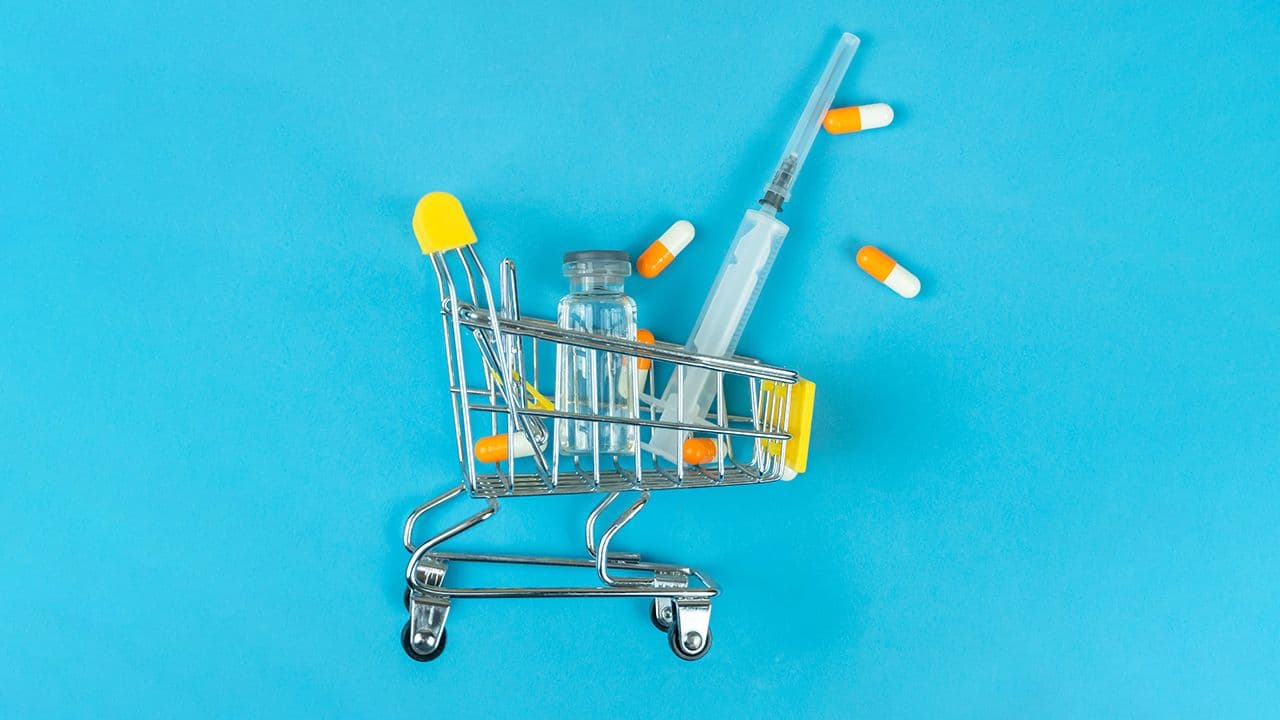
{"x":1046,"y":487}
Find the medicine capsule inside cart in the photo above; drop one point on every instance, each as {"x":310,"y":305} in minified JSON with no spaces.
{"x":494,"y":448}
{"x":698,"y":451}
{"x":665,"y":249}
{"x":643,"y":363}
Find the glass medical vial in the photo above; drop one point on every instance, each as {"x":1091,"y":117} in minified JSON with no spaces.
{"x":588,"y":381}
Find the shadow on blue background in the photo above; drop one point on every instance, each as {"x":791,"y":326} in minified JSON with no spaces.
{"x":1046,"y":487}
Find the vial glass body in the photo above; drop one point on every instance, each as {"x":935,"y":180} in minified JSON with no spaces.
{"x":594,"y":382}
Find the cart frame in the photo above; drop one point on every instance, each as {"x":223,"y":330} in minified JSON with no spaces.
{"x":751,"y":450}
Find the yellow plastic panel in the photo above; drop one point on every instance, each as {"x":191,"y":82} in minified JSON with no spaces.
{"x":799,"y":421}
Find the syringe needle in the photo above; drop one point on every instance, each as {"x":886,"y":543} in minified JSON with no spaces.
{"x":780,"y":187}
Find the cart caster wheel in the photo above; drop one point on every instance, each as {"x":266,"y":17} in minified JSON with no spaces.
{"x":684,"y":652}
{"x":660,"y":620}
{"x":408,"y":646}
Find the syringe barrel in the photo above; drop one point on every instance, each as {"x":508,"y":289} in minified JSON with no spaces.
{"x":720,"y":325}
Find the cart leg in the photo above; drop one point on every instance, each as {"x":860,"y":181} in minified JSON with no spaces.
{"x":591,"y":530}
{"x":424,"y":636}
{"x":690,"y":634}
{"x":663,"y":609}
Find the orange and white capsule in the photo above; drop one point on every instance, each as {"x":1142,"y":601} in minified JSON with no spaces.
{"x":642,"y":367}
{"x":659,"y":255}
{"x":643,"y":363}
{"x":875,"y":263}
{"x":857,"y":118}
{"x":493,"y":449}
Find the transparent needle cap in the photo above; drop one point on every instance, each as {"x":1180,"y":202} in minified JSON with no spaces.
{"x":779,"y":189}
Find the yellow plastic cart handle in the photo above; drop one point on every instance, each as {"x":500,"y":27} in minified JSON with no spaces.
{"x":440,"y":224}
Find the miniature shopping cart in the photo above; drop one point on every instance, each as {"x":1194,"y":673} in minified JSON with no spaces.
{"x":495,"y":358}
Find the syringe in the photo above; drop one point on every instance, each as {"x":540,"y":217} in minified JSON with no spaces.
{"x":737,"y":286}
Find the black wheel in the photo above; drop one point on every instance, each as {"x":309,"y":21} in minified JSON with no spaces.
{"x":656,"y":619}
{"x":407,"y":592}
{"x":408,"y":647}
{"x":678,"y":648}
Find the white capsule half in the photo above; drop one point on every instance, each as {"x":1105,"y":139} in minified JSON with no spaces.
{"x":876,"y":115}
{"x":903,"y":282}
